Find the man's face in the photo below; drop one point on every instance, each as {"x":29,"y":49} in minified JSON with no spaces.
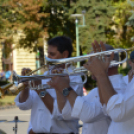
{"x":53,"y":53}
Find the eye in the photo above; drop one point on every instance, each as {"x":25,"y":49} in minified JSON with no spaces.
{"x":52,"y":54}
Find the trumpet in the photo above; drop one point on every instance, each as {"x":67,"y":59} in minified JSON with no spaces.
{"x":20,"y":79}
{"x":67,"y":61}
{"x":82,"y":58}
{"x":72,"y":60}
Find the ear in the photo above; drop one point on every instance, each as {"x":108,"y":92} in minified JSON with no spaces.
{"x":65,"y":54}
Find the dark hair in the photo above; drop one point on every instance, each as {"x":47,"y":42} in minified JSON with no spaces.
{"x":109,"y":47}
{"x":62,"y":43}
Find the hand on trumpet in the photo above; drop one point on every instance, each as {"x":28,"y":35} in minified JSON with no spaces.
{"x":57,"y":69}
{"x":98,"y":65}
{"x":59,"y":83}
{"x":26,"y":71}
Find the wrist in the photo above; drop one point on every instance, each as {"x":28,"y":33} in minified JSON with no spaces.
{"x":42,"y":93}
{"x":60,"y":89}
{"x":101,"y":75}
{"x":66,"y":91}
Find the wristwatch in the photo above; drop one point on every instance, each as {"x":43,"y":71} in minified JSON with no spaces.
{"x":42,"y":93}
{"x":66,"y":91}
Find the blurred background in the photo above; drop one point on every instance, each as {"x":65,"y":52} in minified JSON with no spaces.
{"x":26,"y":26}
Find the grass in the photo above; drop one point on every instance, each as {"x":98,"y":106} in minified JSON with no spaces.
{"x":7,"y":100}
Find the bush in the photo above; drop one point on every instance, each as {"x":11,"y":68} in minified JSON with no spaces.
{"x":123,"y":71}
{"x":90,"y":84}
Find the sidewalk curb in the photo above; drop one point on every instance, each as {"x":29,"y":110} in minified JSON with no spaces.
{"x":8,"y":107}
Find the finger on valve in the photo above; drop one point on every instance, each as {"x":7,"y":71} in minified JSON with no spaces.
{"x":57,"y":71}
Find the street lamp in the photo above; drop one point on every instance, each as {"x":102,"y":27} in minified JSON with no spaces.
{"x":3,"y":54}
{"x":77,"y":32}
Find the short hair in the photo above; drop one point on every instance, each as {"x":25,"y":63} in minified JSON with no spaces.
{"x":62,"y":43}
{"x":109,"y":47}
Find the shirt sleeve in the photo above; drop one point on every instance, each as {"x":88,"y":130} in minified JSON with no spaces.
{"x":120,"y":106}
{"x":92,"y":110}
{"x":29,"y":127}
{"x":25,"y":105}
{"x":66,"y":111}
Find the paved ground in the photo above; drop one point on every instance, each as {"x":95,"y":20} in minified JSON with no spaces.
{"x":9,"y":114}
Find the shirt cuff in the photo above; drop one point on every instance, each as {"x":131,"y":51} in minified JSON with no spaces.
{"x":77,"y":107}
{"x":24,"y":105}
{"x":113,"y":101}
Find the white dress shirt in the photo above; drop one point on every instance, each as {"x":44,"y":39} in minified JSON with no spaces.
{"x":125,"y":78}
{"x":90,"y":111}
{"x":120,"y":108}
{"x":42,"y":121}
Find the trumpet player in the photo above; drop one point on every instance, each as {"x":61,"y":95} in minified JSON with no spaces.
{"x":89,"y":109}
{"x":46,"y":116}
{"x":119,"y":107}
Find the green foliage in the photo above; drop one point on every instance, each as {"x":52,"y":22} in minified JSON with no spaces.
{"x":90,"y":84}
{"x":130,"y":21}
{"x":33,"y":20}
{"x":120,"y":35}
{"x":123,"y":71}
{"x":98,"y":17}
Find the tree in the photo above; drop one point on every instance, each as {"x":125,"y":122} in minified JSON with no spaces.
{"x":36,"y":20}
{"x":120,"y":37}
{"x":98,"y":17}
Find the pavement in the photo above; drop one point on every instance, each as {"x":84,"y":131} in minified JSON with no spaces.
{"x":8,"y":114}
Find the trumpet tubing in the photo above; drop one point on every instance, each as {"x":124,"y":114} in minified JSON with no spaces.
{"x":85,"y":57}
{"x":67,"y":61}
{"x":21,"y":79}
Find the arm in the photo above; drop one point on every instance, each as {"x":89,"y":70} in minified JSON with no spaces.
{"x":86,"y":105}
{"x":65,"y":113}
{"x":47,"y":98}
{"x":122,"y":105}
{"x":61,"y":100}
{"x":79,"y":106}
{"x":24,"y":94}
{"x":26,"y":105}
{"x":61,"y":105}
{"x":48,"y":101}
{"x":105,"y":86}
